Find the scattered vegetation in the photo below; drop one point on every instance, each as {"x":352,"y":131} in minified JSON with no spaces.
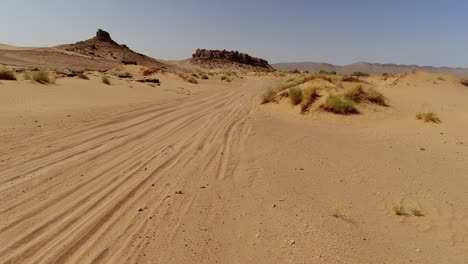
{"x":337,"y":105}
{"x":296,"y":95}
{"x":359,"y":94}
{"x":187,"y":78}
{"x":324,"y":72}
{"x":310,"y":95}
{"x":27,"y":76}
{"x":290,"y":80}
{"x":360,"y":74}
{"x":82,"y":76}
{"x":399,"y":209}
{"x":268,"y":96}
{"x":350,"y":79}
{"x":41,"y":77}
{"x":204,"y":76}
{"x":105,"y":80}
{"x":226,"y":78}
{"x":416,"y":212}
{"x":295,"y":71}
{"x":428,"y":117}
{"x":440,"y":78}
{"x":7,"y":74}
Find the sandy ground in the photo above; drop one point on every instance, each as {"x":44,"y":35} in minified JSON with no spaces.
{"x":185,"y":173}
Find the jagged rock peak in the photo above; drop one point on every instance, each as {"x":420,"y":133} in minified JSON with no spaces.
{"x":102,"y":35}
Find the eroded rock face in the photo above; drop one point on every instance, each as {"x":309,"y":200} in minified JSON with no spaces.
{"x":227,"y":59}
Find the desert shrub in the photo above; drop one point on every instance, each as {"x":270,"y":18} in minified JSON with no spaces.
{"x":105,"y":80}
{"x":27,"y":76}
{"x":7,"y":74}
{"x":296,"y":95}
{"x":360,"y":74}
{"x":440,"y":78}
{"x":187,"y":78}
{"x":416,"y":212}
{"x":290,"y":80}
{"x":464,"y":82}
{"x":359,"y":94}
{"x":268,"y":96}
{"x":82,"y":76}
{"x":226,"y":78}
{"x":204,"y":76}
{"x":324,"y":72}
{"x":356,"y":94}
{"x":335,"y":104}
{"x":376,"y":97}
{"x":399,"y":210}
{"x":428,"y":117}
{"x":41,"y":77}
{"x":310,"y":95}
{"x":295,"y":71}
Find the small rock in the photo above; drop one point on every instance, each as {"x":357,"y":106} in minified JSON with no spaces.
{"x":273,"y":206}
{"x":292,"y":243}
{"x":422,"y":149}
{"x":179,"y":192}
{"x":140,"y":209}
{"x":418,"y":250}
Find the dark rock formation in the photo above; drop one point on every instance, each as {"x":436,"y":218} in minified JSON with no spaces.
{"x":229,"y":59}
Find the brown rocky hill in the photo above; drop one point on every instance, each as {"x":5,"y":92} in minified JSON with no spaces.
{"x":371,"y":68}
{"x":103,"y":47}
{"x":98,"y":53}
{"x":232,"y":60}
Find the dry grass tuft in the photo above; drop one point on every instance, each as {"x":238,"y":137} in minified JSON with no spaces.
{"x":105,"y":80}
{"x":399,"y":209}
{"x":296,"y":95}
{"x":416,"y":212}
{"x":41,"y":77}
{"x":335,"y":104}
{"x":268,"y":96}
{"x":359,"y":94}
{"x":428,"y":117}
{"x":310,"y":95}
{"x":7,"y":74}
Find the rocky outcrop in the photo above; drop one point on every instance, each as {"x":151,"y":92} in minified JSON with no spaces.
{"x":213,"y":59}
{"x":103,"y":47}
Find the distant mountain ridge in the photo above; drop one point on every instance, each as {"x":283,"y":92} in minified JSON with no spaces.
{"x":371,"y":68}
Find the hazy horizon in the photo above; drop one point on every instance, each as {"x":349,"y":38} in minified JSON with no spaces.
{"x":425,"y":33}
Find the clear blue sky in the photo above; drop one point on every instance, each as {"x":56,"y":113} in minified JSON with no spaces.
{"x":408,"y":32}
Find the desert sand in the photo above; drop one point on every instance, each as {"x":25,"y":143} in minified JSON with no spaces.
{"x":204,"y":173}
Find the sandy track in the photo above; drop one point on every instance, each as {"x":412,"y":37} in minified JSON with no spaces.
{"x":120,"y":184}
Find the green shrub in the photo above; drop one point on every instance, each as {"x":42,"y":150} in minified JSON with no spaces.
{"x":105,"y":80}
{"x":204,"y":76}
{"x":310,"y":95}
{"x":296,"y":95}
{"x":324,"y":72}
{"x":428,"y":117}
{"x":268,"y":96}
{"x":7,"y":74}
{"x":360,"y":74}
{"x":41,"y":77}
{"x":335,"y":104}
